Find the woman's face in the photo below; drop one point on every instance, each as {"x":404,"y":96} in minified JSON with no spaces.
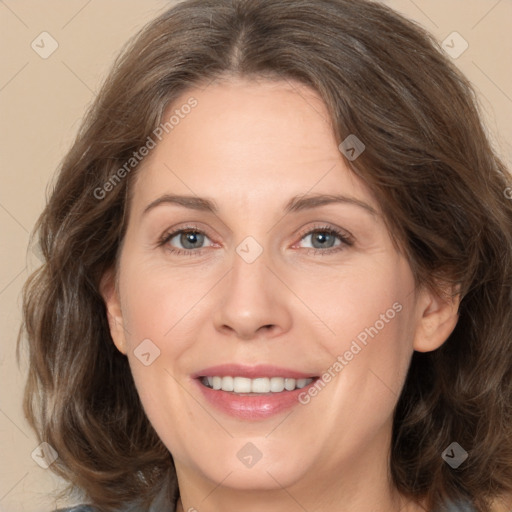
{"x":256,"y":261}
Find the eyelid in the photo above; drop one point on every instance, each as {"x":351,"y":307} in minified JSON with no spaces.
{"x":342,"y":233}
{"x":346,"y":238}
{"x":170,"y":233}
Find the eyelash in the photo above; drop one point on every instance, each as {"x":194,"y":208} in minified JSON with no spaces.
{"x":345,"y":238}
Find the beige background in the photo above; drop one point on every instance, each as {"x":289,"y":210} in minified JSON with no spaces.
{"x":42,"y":102}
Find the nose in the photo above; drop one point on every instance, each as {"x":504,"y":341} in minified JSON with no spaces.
{"x":253,"y":301}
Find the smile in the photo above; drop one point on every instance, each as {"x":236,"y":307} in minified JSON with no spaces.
{"x":252,"y":393}
{"x":258,"y":385}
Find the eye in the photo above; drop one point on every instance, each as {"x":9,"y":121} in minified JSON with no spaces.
{"x":319,"y":240}
{"x":185,"y":241}
{"x":325,"y":240}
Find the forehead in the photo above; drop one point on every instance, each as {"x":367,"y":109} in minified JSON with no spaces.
{"x":243,"y":117}
{"x":247,"y":137}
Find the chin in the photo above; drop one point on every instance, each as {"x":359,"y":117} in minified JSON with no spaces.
{"x":262,"y":479}
{"x":272,"y":471}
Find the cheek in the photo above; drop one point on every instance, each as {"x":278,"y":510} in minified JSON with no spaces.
{"x":371,"y":315}
{"x":156,"y":308}
{"x":158,"y":303}
{"x":369,"y":303}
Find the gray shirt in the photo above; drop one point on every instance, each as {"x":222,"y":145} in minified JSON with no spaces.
{"x":450,"y":507}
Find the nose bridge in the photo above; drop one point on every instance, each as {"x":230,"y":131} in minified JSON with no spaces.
{"x":250,"y":269}
{"x":251,"y":298}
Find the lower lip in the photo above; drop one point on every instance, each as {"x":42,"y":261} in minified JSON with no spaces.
{"x":253,"y":406}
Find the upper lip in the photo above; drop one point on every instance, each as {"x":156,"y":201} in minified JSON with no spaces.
{"x":251,"y":372}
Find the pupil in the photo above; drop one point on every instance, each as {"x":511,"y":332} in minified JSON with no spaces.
{"x":323,"y":237}
{"x":191,"y":238}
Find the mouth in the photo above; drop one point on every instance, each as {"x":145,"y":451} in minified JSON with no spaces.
{"x":259,"y":385}
{"x":252,"y":393}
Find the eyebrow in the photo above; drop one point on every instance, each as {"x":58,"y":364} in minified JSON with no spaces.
{"x":191,"y":202}
{"x":297,"y":203}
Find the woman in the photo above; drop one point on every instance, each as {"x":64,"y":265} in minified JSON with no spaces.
{"x":278,"y":273}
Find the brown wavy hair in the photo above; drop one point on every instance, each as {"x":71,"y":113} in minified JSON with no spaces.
{"x":428,"y":160}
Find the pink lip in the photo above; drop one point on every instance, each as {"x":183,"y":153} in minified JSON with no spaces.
{"x":251,"y":372}
{"x":253,"y":406}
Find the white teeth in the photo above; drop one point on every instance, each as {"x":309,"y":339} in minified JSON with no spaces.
{"x":228,"y":384}
{"x":289,"y":384}
{"x":301,"y":383}
{"x":276,"y":384}
{"x":258,"y":385}
{"x":241,"y":385}
{"x":261,"y":385}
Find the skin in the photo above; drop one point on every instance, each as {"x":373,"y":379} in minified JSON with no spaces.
{"x":250,"y":146}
